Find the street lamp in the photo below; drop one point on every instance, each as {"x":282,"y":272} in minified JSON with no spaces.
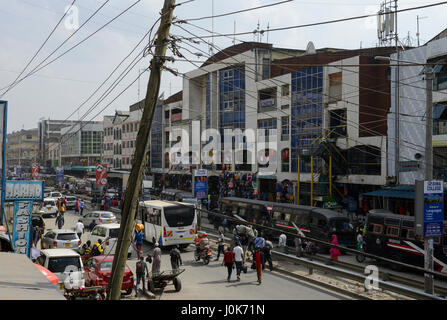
{"x":428,"y":242}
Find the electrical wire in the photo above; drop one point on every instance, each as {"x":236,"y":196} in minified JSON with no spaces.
{"x":41,"y":46}
{"x":39,"y":67}
{"x":238,"y":11}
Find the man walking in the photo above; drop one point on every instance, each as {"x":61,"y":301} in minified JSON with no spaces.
{"x":220,"y":244}
{"x":79,"y":228}
{"x":228,"y":261}
{"x":157,"y":259}
{"x":59,"y":221}
{"x":176,"y":258}
{"x":141,"y":270}
{"x":268,"y":254}
{"x":139,"y":241}
{"x":239,"y":260}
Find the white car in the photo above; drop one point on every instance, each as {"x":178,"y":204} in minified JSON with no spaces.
{"x":60,"y":238}
{"x":66,"y":264}
{"x":56,"y":195}
{"x":100,"y":217}
{"x":111,"y":193}
{"x":108,"y":233}
{"x":49,"y":207}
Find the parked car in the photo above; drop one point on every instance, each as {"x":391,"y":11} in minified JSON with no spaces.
{"x":66,"y":264}
{"x":100,"y":217}
{"x":56,"y":195}
{"x":97,"y":272}
{"x":61,"y":238}
{"x":46,"y":192}
{"x":49,"y":207}
{"x":71,"y":202}
{"x":108,"y":233}
{"x":5,"y":243}
{"x":111,"y":193}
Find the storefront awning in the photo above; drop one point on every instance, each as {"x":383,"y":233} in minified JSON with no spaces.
{"x":438,"y":111}
{"x":392,"y":193}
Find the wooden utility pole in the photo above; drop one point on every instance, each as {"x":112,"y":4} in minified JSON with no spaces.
{"x":136,"y":174}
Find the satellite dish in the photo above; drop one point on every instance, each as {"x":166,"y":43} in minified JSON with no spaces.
{"x":310,"y":48}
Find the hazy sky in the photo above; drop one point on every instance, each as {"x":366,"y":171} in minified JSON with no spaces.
{"x":57,"y":90}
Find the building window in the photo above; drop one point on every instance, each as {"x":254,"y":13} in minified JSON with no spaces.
{"x":440,"y":73}
{"x":335,"y":87}
{"x":337,"y":125}
{"x":285,"y":159}
{"x":285,"y":128}
{"x":285,"y":90}
{"x":265,"y":68}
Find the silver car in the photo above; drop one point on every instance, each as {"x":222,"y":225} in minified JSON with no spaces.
{"x":61,"y":238}
{"x":71,"y":202}
{"x":100,"y":217}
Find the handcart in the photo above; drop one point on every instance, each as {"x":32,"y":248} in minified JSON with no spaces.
{"x":162,"y":279}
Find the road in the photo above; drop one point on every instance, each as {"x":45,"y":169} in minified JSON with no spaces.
{"x":200,"y":282}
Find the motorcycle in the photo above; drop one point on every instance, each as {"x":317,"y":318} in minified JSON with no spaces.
{"x":205,"y":255}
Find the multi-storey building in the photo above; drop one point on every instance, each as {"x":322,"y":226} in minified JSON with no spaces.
{"x":81,"y":145}
{"x":322,"y":106}
{"x":49,"y":133}
{"x":22,"y":149}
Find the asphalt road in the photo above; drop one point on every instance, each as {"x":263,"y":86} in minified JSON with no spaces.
{"x":200,"y":282}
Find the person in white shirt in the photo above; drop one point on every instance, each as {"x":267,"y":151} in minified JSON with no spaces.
{"x":282,"y":240}
{"x":79,"y":228}
{"x":239,"y":260}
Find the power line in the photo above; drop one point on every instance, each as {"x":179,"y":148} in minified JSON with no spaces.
{"x":319,"y":23}
{"x":36,"y":69}
{"x":239,"y":11}
{"x":41,"y":47}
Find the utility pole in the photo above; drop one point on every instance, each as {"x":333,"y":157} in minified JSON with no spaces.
{"x":135,"y":178}
{"x":428,"y":242}
{"x":397,"y":101}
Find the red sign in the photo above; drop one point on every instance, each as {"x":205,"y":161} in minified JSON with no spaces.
{"x":101,"y":175}
{"x":35,"y":170}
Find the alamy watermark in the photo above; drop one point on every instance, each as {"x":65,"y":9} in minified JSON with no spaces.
{"x":255,"y":145}
{"x":71,"y":21}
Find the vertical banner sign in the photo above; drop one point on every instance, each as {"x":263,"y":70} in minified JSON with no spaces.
{"x":433,"y":208}
{"x":3,"y":117}
{"x":201,"y":184}
{"x":23,"y":193}
{"x":21,"y":236}
{"x":101,"y":175}
{"x":35,"y":170}
{"x":60,"y":174}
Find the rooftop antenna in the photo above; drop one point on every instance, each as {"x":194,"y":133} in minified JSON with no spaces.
{"x":234,"y":34}
{"x":210,"y":49}
{"x":268,"y":28}
{"x":417,"y":33}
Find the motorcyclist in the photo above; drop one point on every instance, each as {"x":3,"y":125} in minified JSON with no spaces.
{"x":204,"y":243}
{"x":97,"y":248}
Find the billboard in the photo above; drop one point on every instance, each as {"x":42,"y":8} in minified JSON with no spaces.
{"x":35,"y":170}
{"x":200,"y":184}
{"x":20,"y":190}
{"x":22,"y":228}
{"x":60,"y":174}
{"x":101,"y":175}
{"x":433,"y":208}
{"x":3,"y":117}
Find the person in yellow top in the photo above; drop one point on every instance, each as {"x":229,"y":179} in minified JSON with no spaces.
{"x":97,"y":248}
{"x":62,"y":208}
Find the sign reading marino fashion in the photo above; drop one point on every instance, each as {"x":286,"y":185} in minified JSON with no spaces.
{"x":433,"y":208}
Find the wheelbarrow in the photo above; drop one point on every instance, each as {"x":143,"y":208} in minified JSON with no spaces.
{"x":162,"y":279}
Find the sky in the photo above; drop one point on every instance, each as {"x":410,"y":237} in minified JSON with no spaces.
{"x":59,"y":89}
